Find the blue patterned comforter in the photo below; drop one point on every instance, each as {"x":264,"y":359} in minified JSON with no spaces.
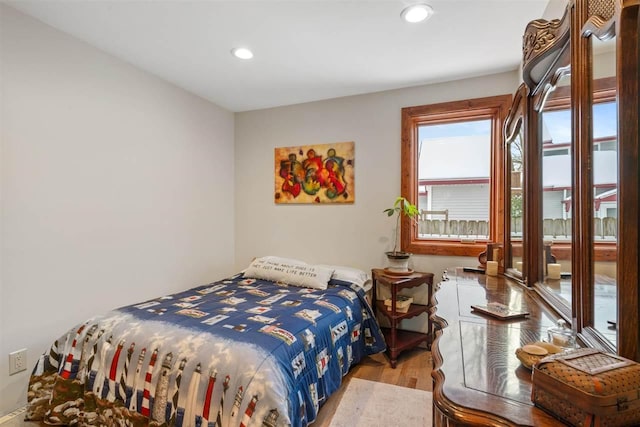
{"x":237,"y":352}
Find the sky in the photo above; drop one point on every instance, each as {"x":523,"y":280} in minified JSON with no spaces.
{"x":458,"y":149}
{"x":558,"y":123}
{"x":455,"y":150}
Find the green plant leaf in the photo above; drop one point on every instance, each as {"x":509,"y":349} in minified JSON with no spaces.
{"x":402,"y":205}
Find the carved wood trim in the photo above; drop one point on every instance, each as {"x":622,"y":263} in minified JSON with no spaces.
{"x":601,"y":22}
{"x":599,"y":27}
{"x":542,"y":41}
{"x":514,"y":119}
{"x":549,"y":85}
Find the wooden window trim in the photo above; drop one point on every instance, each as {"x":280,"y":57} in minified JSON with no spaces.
{"x":494,"y":108}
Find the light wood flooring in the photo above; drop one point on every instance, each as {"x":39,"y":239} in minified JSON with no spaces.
{"x":413,"y":371}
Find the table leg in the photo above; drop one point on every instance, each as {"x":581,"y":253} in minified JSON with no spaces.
{"x":393,"y":354}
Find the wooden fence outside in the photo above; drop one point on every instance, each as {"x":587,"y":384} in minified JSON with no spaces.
{"x":604,"y":228}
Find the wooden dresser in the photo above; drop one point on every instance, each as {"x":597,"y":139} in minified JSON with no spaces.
{"x":477,"y":378}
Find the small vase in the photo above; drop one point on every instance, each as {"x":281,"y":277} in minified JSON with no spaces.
{"x":398,"y":262}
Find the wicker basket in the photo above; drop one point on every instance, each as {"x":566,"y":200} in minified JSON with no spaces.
{"x":588,"y":388}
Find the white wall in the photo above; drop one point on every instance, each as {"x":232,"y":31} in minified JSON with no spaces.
{"x":356,"y":234}
{"x":115,"y":187}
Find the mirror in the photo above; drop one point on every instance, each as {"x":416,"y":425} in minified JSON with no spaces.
{"x":514,"y":186}
{"x":557,"y":153}
{"x":516,"y":201}
{"x":605,"y":188}
{"x":598,"y":292}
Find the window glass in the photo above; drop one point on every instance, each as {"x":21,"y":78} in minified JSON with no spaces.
{"x":557,"y":185}
{"x":556,"y":177}
{"x":605,"y":215}
{"x":454,"y":176}
{"x":516,"y":150}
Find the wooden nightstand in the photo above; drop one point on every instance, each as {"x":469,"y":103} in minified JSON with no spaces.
{"x":398,"y":339}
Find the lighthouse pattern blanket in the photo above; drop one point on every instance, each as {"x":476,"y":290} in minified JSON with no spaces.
{"x":238,"y":352}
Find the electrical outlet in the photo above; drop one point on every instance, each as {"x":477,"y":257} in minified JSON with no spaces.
{"x":18,"y":361}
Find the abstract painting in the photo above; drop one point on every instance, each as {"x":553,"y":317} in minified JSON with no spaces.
{"x":321,"y":173}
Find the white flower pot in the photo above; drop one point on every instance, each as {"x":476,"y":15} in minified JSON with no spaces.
{"x":398,"y":262}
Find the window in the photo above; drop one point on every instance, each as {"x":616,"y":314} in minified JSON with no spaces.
{"x":452,"y":169}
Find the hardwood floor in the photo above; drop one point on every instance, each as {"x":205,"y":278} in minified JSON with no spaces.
{"x":413,"y":371}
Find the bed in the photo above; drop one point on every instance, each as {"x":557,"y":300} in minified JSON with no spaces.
{"x":265,"y":347}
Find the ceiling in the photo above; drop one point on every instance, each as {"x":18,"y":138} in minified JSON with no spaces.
{"x":305,"y":50}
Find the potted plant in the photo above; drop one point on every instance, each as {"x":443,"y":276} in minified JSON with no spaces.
{"x":399,"y":260}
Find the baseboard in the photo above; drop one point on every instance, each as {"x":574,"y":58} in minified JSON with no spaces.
{"x":13,"y":414}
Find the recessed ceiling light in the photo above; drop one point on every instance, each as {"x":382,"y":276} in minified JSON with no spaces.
{"x":417,"y":12}
{"x":242,"y":53}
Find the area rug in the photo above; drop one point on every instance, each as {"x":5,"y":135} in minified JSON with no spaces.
{"x":373,"y":404}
